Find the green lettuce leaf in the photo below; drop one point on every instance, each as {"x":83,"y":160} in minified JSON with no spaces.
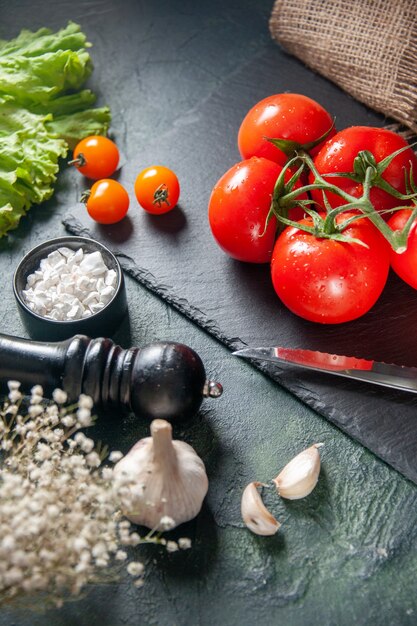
{"x":76,"y":126}
{"x":29,"y":43}
{"x":44,"y":111}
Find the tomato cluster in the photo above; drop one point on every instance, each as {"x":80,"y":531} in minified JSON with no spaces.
{"x":156,"y":188}
{"x":339,"y":195}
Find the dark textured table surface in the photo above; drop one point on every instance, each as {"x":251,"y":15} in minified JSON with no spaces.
{"x":345,"y":555}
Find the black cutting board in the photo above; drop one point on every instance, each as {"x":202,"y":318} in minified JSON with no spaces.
{"x":176,"y":257}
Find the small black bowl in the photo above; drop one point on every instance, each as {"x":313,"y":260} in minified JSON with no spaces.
{"x":101,"y":324}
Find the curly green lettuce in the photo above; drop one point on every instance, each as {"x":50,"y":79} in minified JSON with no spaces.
{"x":44,"y":111}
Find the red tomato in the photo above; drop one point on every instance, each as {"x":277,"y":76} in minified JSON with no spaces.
{"x":405,"y":264}
{"x":238,"y":208}
{"x":339,"y":152}
{"x":107,"y":202}
{"x":96,"y":157}
{"x":328,"y":281}
{"x":157,"y":189}
{"x":282,"y":116}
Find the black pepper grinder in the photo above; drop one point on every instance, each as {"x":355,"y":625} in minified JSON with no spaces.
{"x":164,"y":379}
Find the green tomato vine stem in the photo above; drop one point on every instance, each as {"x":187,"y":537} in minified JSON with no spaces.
{"x":368,"y":173}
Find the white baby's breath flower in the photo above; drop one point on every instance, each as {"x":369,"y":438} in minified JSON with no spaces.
{"x":19,"y":430}
{"x":93,"y":459}
{"x":13,"y":384}
{"x":172,"y":546}
{"x":43,"y":452}
{"x":53,"y":510}
{"x":35,"y":474}
{"x":124,"y":525}
{"x":31,"y":437}
{"x":13,"y":576}
{"x":52,"y":410}
{"x":112,"y":546}
{"x":35,"y":399}
{"x":85,"y":557}
{"x":135,"y":568}
{"x":15,"y":395}
{"x":184,"y":543}
{"x":60,"y":525}
{"x":87,"y":445}
{"x":68,"y":421}
{"x":84,"y":418}
{"x":99,"y":549}
{"x":35,"y":410}
{"x":167,"y":522}
{"x":59,"y":396}
{"x":79,"y":544}
{"x":46,"y":555}
{"x":107,"y":474}
{"x":85,"y":402}
{"x":8,"y":543}
{"x":134,"y":539}
{"x":115,"y":456}
{"x":12,"y":409}
{"x":37,"y":390}
{"x":19,"y":558}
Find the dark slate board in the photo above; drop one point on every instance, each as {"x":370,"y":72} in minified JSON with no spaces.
{"x":176,"y":257}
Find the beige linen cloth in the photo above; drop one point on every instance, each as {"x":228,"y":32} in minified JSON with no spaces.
{"x":367,"y":47}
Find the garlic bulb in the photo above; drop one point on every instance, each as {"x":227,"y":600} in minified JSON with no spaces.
{"x":300,"y":475}
{"x":255,"y":514}
{"x":167,"y":479}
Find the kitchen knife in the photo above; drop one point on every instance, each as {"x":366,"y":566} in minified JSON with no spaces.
{"x":385,"y":374}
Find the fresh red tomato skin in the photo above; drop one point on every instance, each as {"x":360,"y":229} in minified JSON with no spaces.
{"x":98,"y":156}
{"x":282,"y":116}
{"x":238,"y":208}
{"x":405,"y":264}
{"x":108,"y":201}
{"x":328,"y":281}
{"x":339,"y":152}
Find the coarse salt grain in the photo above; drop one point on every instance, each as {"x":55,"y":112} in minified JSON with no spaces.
{"x":70,"y":285}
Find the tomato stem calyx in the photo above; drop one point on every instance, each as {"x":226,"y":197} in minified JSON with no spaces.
{"x":79,"y":161}
{"x":290,"y":147}
{"x":161,"y":195}
{"x":365,"y":160}
{"x":85,"y":195}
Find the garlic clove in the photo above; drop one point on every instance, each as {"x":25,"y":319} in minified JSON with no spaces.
{"x":255,"y":514}
{"x":166,"y":480}
{"x":299,"y":477}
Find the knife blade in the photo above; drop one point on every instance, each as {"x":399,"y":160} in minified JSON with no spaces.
{"x":365,"y":370}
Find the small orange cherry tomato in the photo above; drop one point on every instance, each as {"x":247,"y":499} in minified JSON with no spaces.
{"x":157,"y":189}
{"x":107,"y":202}
{"x":96,"y":157}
